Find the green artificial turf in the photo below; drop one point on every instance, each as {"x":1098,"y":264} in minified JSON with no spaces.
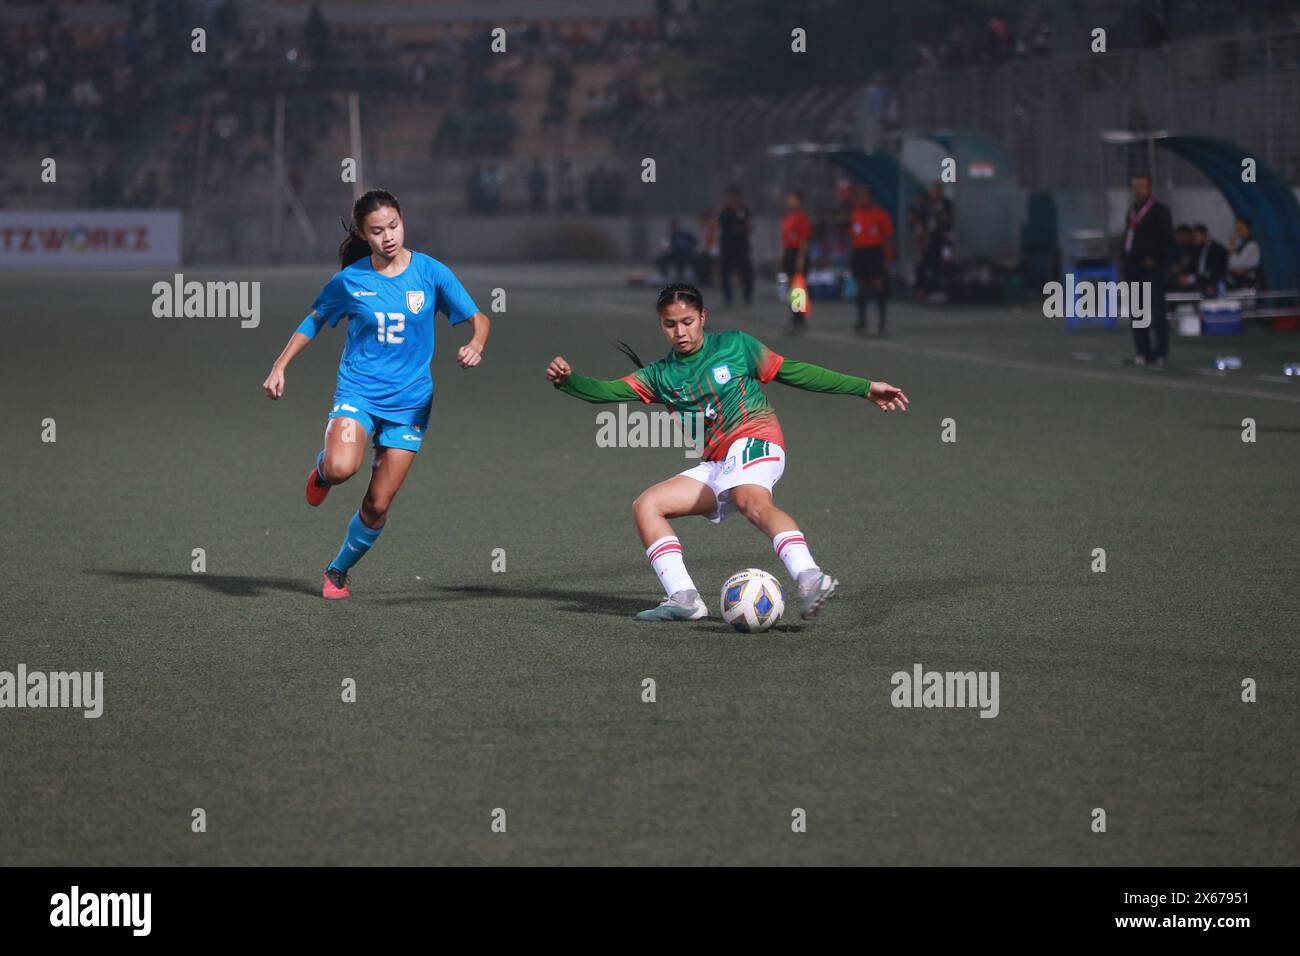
{"x":522,"y":690}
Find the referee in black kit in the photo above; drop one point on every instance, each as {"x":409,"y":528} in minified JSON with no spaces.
{"x":1148,"y":239}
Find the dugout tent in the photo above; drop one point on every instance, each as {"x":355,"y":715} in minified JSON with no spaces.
{"x":1268,"y":202}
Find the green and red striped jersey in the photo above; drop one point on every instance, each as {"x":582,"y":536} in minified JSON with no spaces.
{"x":720,"y":381}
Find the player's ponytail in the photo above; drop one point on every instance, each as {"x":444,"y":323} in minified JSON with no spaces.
{"x":354,"y":248}
{"x":630,"y":353}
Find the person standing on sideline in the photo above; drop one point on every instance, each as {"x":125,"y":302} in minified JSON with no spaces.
{"x":734,"y":227}
{"x":795,"y":232}
{"x":1147,"y":246}
{"x":869,"y":229}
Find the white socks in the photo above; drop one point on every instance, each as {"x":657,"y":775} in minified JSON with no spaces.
{"x":792,"y":549}
{"x":666,"y":558}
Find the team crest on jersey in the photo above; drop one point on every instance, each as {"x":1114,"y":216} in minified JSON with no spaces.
{"x":415,"y":300}
{"x":722,"y":375}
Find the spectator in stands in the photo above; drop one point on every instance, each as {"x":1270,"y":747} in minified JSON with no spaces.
{"x":492,"y":188}
{"x":997,"y":41}
{"x":678,"y":251}
{"x":734,"y":227}
{"x":537,"y":187}
{"x":1042,"y":43}
{"x":316,"y":34}
{"x":871,"y":229}
{"x":1147,"y":242}
{"x":796,"y":229}
{"x":1243,"y":258}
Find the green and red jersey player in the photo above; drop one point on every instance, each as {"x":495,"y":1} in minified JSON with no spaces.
{"x":718,"y":376}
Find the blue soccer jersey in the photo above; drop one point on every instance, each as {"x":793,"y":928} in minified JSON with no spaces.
{"x":385,"y":364}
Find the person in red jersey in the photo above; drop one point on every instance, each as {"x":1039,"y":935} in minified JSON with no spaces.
{"x":870,"y":229}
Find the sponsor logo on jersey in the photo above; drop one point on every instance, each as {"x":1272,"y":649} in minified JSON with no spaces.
{"x":415,"y":300}
{"x":362,"y":292}
{"x":722,"y":375}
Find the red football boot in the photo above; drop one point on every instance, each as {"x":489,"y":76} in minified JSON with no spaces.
{"x":316,"y":492}
{"x":335,"y":586}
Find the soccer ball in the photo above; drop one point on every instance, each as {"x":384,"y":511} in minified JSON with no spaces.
{"x":752,"y":601}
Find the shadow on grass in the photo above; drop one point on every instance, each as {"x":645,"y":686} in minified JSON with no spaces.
{"x":880,"y":599}
{"x":579,"y":602}
{"x":231,"y":585}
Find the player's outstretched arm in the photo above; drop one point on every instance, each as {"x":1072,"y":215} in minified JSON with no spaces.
{"x":471,"y":353}
{"x":814,"y":378}
{"x":274,"y":384}
{"x":560,"y":374}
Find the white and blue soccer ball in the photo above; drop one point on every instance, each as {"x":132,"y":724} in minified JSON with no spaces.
{"x":752,"y":601}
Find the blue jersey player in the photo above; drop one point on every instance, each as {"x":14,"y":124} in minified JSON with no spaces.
{"x":387,"y":295}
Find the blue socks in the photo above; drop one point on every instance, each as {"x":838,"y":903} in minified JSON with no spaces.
{"x":320,"y":479}
{"x":359,"y":540}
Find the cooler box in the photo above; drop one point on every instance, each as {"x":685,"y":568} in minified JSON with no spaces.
{"x":1092,"y":272}
{"x":1221,"y":317}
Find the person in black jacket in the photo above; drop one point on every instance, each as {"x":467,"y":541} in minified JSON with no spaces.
{"x":734,"y":227}
{"x":1211,"y":262}
{"x":1148,"y":238}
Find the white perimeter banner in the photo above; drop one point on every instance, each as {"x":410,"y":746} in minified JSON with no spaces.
{"x":89,"y":239}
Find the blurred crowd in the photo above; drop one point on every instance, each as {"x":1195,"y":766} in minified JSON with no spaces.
{"x":559,"y":187}
{"x":998,"y":43}
{"x":102,"y":82}
{"x":94,"y":82}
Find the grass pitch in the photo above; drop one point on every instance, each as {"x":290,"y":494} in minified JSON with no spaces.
{"x":522,"y":690}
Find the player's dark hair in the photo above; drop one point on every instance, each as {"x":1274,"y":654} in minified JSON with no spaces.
{"x":1246,"y":220}
{"x":680,"y":292}
{"x":354,"y":248}
{"x":630,"y":353}
{"x":676,"y":292}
